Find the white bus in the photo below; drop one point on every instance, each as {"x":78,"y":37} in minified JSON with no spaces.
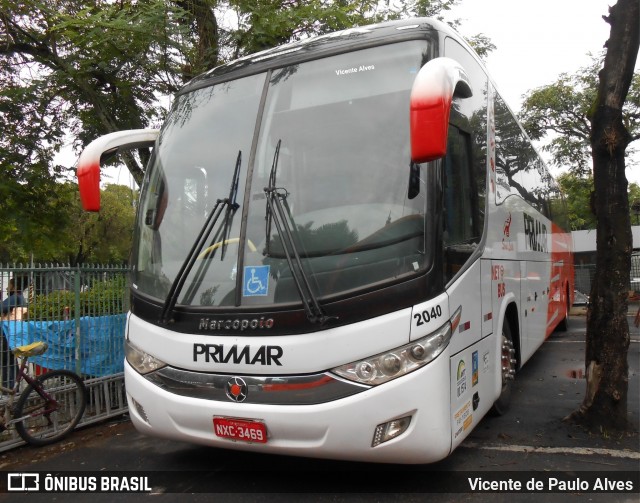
{"x":345,"y":248}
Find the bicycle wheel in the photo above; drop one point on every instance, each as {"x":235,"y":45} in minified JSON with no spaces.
{"x":47,"y":419}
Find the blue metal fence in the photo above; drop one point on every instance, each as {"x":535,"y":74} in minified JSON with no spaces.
{"x":80,"y":312}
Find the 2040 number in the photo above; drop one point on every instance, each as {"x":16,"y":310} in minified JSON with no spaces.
{"x":427,"y":315}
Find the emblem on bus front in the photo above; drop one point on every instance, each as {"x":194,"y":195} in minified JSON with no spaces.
{"x":237,"y":389}
{"x":236,"y":324}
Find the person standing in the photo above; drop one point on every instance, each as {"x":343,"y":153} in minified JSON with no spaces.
{"x":9,"y":365}
{"x":15,"y":298}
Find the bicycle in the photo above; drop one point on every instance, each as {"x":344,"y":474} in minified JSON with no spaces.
{"x":49,"y":407}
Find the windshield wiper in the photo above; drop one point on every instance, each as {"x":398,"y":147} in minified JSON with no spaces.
{"x":232,"y":206}
{"x":203,"y":236}
{"x":279,"y":212}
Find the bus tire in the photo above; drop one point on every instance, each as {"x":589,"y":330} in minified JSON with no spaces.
{"x":563,"y":326}
{"x":508,"y":370}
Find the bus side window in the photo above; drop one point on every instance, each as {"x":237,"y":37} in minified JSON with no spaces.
{"x":461,"y":209}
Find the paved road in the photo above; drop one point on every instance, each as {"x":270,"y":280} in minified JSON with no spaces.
{"x":531,"y":441}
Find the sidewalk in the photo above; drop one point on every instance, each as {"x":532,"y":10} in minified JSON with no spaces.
{"x":632,"y":310}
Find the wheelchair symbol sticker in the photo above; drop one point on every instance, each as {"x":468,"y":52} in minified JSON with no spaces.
{"x":256,"y":281}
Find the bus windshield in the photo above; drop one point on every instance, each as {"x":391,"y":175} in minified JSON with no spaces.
{"x":331,"y":139}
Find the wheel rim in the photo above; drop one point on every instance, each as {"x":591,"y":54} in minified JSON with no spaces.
{"x":508,"y":360}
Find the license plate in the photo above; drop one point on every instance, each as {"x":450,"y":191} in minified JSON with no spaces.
{"x":244,"y":430}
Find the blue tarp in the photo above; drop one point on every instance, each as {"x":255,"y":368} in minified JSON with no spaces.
{"x":101,"y":343}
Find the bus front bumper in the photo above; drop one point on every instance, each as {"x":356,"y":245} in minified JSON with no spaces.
{"x":342,"y":429}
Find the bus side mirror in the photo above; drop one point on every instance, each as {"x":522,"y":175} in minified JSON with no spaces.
{"x":101,"y":149}
{"x":432,"y":93}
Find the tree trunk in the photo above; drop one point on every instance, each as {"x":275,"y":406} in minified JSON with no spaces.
{"x":605,"y":403}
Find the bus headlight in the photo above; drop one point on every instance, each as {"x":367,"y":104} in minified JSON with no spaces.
{"x":389,"y":365}
{"x":141,"y":361}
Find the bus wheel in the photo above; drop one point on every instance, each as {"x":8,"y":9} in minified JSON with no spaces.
{"x":563,"y":326}
{"x":508,"y":365}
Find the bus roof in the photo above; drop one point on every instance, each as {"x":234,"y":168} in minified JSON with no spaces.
{"x":323,"y":45}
